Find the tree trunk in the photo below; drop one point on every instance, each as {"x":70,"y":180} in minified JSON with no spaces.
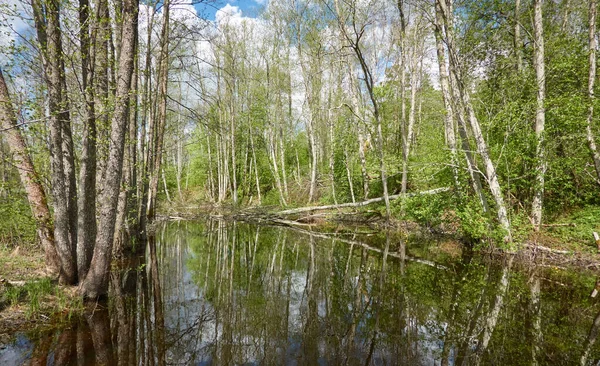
{"x":402,"y":66}
{"x":408,"y":139}
{"x":332,"y":156}
{"x":132,"y":184}
{"x":96,"y":281}
{"x":349,"y":175}
{"x":164,"y":179}
{"x":359,"y":131}
{"x":540,"y":115}
{"x":101,"y":84}
{"x":255,"y":167}
{"x":472,"y":168}
{"x":272,"y":145}
{"x":161,"y":120}
{"x":447,"y":99}
{"x":49,"y":37}
{"x":518,"y":47}
{"x":567,"y":6}
{"x":234,"y":183}
{"x":86,"y":220}
{"x":69,"y":164}
{"x":211,"y":181}
{"x":282,"y":160}
{"x":146,"y":133}
{"x":29,"y":178}
{"x":482,"y":148}
{"x":591,"y":80}
{"x":310,"y":128}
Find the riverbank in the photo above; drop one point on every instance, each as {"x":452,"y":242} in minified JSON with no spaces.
{"x":569,"y":232}
{"x":566,"y":240}
{"x":29,"y":299}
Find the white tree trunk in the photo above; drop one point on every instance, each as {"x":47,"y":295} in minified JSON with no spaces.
{"x":482,"y":148}
{"x":540,"y":115}
{"x":591,"y":139}
{"x":445,"y":87}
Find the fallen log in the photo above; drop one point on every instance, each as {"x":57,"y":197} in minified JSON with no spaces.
{"x":546,"y":249}
{"x":9,"y":283}
{"x":358,"y":204}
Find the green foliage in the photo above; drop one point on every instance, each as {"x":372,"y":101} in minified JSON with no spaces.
{"x":427,"y":210}
{"x":18,"y":228}
{"x":474,"y":224}
{"x":579,"y":225}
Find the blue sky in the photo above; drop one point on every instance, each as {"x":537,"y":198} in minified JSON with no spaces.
{"x":249,"y":8}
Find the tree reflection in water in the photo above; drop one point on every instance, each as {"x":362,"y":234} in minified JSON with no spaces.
{"x":233,"y":293}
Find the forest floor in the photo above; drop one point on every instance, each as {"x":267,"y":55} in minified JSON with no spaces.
{"x":29,"y":299}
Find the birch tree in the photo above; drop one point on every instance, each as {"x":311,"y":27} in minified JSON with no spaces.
{"x":591,"y":138}
{"x":540,"y":114}
{"x":480,"y":141}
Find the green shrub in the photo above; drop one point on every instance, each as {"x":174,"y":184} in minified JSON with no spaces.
{"x":428,"y":210}
{"x":19,"y":229}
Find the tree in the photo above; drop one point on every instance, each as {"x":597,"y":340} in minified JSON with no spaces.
{"x":591,"y":139}
{"x":157,"y":137}
{"x":540,"y":114}
{"x":29,"y":178}
{"x":47,"y":20}
{"x":87,"y":172}
{"x":480,"y":141}
{"x":353,"y":34}
{"x":96,"y":281}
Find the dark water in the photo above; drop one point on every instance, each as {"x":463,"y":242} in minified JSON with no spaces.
{"x":237,"y":294}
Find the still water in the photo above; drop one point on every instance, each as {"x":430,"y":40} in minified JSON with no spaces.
{"x":230,"y":293}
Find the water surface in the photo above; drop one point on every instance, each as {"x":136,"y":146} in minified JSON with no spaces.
{"x":230,"y":293}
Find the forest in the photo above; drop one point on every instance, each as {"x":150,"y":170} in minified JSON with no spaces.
{"x":474,"y":115}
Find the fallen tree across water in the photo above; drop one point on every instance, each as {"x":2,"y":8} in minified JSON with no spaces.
{"x":358,"y":204}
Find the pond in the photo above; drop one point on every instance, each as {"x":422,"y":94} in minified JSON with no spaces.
{"x":232,"y":293}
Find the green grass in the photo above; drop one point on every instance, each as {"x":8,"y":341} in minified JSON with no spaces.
{"x":33,"y":293}
{"x":42,"y":296}
{"x":579,"y":237}
{"x":22,"y":264}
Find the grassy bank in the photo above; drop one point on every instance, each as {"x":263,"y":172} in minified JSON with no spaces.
{"x":569,"y":230}
{"x":28,"y":298}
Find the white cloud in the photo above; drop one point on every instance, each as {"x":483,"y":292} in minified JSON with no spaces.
{"x":11,"y":25}
{"x":183,"y":11}
{"x":227,"y":14}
